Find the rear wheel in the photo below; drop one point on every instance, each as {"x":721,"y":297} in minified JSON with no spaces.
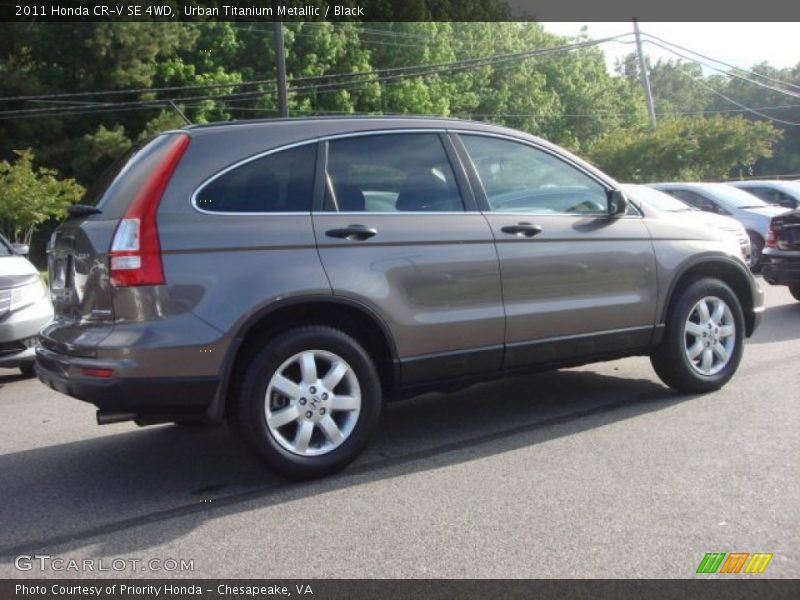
{"x":28,"y":370}
{"x":309,"y":401}
{"x":794,"y":289}
{"x":704,"y":338}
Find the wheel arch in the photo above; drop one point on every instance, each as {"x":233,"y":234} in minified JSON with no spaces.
{"x":735,"y":275}
{"x":349,"y":316}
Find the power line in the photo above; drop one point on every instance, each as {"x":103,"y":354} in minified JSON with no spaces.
{"x":744,"y":107}
{"x":728,"y":73}
{"x":296,"y":80}
{"x":754,"y":73}
{"x":367,"y":77}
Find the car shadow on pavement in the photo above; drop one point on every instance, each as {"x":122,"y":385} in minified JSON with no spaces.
{"x":70,"y":496}
{"x":780,"y":323}
{"x":8,"y":376}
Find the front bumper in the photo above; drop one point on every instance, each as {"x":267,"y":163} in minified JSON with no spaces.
{"x":144,"y":397}
{"x":18,"y":331}
{"x":18,"y":353}
{"x":781,"y":269}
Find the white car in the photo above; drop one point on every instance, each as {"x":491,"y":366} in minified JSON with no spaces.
{"x":24,"y":308}
{"x":665,"y":203}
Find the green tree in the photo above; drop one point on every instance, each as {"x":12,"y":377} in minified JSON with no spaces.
{"x":31,"y":196}
{"x":685,"y":149}
{"x":782,"y":108}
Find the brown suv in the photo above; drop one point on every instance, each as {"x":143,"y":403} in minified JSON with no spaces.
{"x":290,"y":275}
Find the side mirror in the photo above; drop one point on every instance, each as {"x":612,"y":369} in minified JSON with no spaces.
{"x":21,"y":249}
{"x":708,"y":207}
{"x":617,"y":203}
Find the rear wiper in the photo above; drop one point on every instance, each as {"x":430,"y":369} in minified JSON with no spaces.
{"x":82,"y":210}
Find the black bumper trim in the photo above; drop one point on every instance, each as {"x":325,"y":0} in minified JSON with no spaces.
{"x":780,"y":270}
{"x":151,"y":396}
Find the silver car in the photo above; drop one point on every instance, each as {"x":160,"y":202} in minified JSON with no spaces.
{"x":779,"y":193}
{"x":723,"y":199}
{"x":665,"y":203}
{"x":24,"y":308}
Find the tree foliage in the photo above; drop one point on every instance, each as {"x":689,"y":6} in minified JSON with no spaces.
{"x":691,"y":148}
{"x":31,"y":196}
{"x":568,"y":97}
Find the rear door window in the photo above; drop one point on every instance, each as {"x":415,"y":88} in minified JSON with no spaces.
{"x":402,"y":172}
{"x":690,"y":198}
{"x":276,"y":183}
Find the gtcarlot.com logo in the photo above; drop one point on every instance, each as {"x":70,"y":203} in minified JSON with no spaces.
{"x":46,"y":562}
{"x":735,"y":562}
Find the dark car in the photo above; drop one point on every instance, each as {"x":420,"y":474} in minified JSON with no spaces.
{"x":291,"y":275}
{"x":782,"y":252}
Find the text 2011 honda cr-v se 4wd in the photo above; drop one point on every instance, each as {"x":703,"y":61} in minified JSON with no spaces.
{"x":290,"y":275}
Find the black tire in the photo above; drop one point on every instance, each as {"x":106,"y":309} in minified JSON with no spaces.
{"x":794,"y":290}
{"x":28,"y":370}
{"x":249,"y":414}
{"x":670,"y":359}
{"x":756,"y":247}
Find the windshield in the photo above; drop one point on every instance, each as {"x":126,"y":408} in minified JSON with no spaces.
{"x":655,"y":199}
{"x":733,"y":197}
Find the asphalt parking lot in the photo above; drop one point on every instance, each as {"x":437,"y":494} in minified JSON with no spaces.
{"x":599,"y":471}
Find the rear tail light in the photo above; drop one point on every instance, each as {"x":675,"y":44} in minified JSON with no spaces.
{"x":771,"y":242}
{"x":135,"y":254}
{"x":102,"y":373}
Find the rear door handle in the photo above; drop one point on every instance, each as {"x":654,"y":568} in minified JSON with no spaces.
{"x":352,"y":232}
{"x":522,"y":229}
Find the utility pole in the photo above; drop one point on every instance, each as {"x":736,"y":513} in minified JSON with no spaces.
{"x":651,"y":111}
{"x":280,"y":58}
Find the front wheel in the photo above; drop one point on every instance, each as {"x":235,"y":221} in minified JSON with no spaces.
{"x":704,"y":338}
{"x":794,"y":289}
{"x":309,"y":401}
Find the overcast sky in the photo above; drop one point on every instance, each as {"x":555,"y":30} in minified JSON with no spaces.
{"x":740,"y":44}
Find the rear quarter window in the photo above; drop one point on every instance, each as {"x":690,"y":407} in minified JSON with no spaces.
{"x":275,"y":183}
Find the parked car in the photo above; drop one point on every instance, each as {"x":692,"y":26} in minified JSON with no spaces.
{"x":779,"y":193}
{"x":665,"y":203}
{"x":24,"y":308}
{"x":290,"y":275}
{"x":722,"y":199}
{"x":782,"y":252}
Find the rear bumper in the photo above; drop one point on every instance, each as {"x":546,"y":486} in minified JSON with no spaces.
{"x":144,"y":397}
{"x":783,"y":269}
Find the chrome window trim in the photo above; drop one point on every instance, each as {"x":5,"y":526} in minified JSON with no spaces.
{"x":316,"y":140}
{"x":339,"y":136}
{"x":400,"y":213}
{"x":236,"y":165}
{"x":436,"y":130}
